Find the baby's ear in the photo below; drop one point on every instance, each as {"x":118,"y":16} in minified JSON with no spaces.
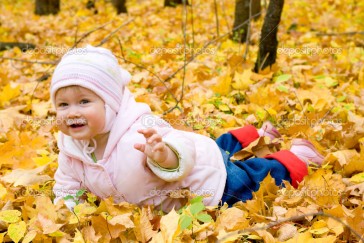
{"x":125,"y":76}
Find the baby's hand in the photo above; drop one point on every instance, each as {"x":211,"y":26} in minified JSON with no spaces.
{"x":156,"y":149}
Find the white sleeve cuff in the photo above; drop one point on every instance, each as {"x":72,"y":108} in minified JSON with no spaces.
{"x":185,"y":159}
{"x":69,"y":203}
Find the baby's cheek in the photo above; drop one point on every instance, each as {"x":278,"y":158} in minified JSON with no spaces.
{"x":60,"y":122}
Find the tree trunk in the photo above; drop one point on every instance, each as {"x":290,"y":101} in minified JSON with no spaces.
{"x":45,"y":7}
{"x":90,"y":4}
{"x":173,"y":3}
{"x":119,"y":6}
{"x":242,"y":8}
{"x":268,"y":38}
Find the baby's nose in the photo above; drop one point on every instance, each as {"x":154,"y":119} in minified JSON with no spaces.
{"x":73,"y":112}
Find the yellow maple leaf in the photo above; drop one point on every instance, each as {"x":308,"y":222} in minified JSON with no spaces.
{"x":242,"y":81}
{"x":8,"y":93}
{"x":324,"y":187}
{"x":78,"y":237}
{"x":361,"y":77}
{"x":16,"y":231}
{"x":169,"y":226}
{"x":319,"y":228}
{"x":358,"y":178}
{"x":2,"y":236}
{"x":43,"y":160}
{"x":347,"y":160}
{"x":84,"y":209}
{"x":3,"y":192}
{"x":223,"y":83}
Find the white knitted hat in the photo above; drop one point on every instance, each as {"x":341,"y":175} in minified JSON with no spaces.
{"x":96,"y":69}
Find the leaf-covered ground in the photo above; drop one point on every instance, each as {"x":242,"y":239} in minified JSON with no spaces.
{"x":316,"y":92}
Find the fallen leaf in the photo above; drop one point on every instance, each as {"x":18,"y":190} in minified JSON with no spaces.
{"x":258,"y":148}
{"x":89,"y":234}
{"x":29,"y":236}
{"x":78,"y":237}
{"x":232,"y":219}
{"x":9,"y":116}
{"x":242,"y":81}
{"x":16,"y":231}
{"x":21,"y":177}
{"x":10,"y":216}
{"x":286,"y":232}
{"x":48,"y":226}
{"x":169,"y":226}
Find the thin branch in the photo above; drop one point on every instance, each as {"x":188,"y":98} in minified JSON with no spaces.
{"x":184,"y":24}
{"x":248,"y":31}
{"x":27,"y":61}
{"x":21,"y":45}
{"x":193,"y":30}
{"x":107,"y":225}
{"x":295,"y":93}
{"x":76,"y":32}
{"x":225,"y":16}
{"x":217,"y":19}
{"x":144,"y":68}
{"x":294,"y":218}
{"x":113,"y":32}
{"x":342,"y":33}
{"x":209,"y":43}
{"x":264,"y":60}
{"x":323,"y":118}
{"x":89,"y":33}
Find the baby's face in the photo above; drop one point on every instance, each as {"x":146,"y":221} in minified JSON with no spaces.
{"x":80,"y":112}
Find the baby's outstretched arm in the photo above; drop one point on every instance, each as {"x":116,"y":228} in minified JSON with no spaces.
{"x":156,"y":149}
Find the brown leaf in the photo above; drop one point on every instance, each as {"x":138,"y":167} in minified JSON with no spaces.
{"x":286,"y":232}
{"x":20,"y":177}
{"x":48,"y":226}
{"x":259,"y":148}
{"x":89,"y":234}
{"x":232,"y":219}
{"x":9,"y":116}
{"x":123,"y":219}
{"x":143,"y":228}
{"x":169,"y":226}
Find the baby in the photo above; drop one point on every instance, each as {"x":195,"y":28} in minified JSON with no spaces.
{"x":107,"y":147}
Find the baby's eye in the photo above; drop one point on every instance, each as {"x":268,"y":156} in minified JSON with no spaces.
{"x":84,"y":101}
{"x":62,"y":104}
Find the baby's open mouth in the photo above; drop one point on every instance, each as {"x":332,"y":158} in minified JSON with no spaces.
{"x":74,"y":123}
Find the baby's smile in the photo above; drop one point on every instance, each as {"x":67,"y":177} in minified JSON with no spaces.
{"x":74,"y":123}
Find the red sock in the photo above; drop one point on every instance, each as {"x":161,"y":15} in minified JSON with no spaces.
{"x":296,"y":167}
{"x":245,"y":135}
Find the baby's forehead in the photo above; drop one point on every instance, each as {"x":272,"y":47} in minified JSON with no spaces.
{"x":74,"y":88}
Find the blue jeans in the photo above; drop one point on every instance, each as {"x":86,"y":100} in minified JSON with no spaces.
{"x":243,"y":177}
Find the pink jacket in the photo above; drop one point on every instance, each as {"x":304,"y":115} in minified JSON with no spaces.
{"x":126,"y":174}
